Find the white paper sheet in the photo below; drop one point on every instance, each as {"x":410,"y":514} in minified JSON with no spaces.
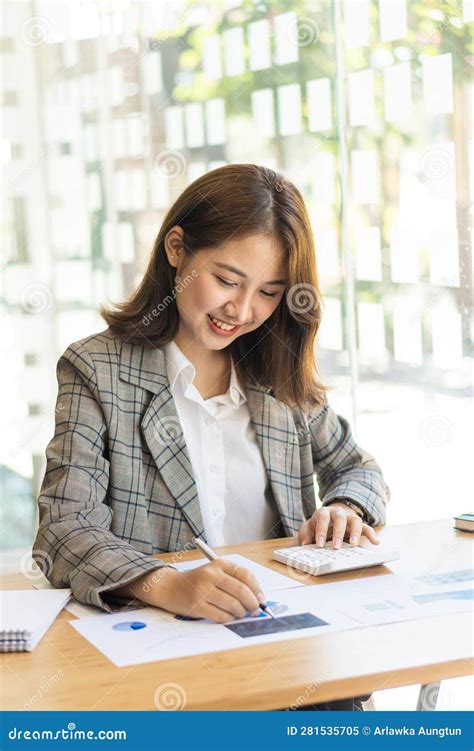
{"x":73,"y":606}
{"x":365,"y":178}
{"x":194,"y":125}
{"x":356,"y":23}
{"x":153,"y":73}
{"x":215,"y":121}
{"x":361,"y":97}
{"x":438,"y":83}
{"x":371,"y":328}
{"x":394,"y":598}
{"x":289,"y":109}
{"x":404,"y":255}
{"x":393,"y":19}
{"x":467,"y":12}
{"x":446,"y":332}
{"x":328,"y":257}
{"x":31,"y":612}
{"x":443,"y":247}
{"x":146,"y":635}
{"x":174,"y":127}
{"x":368,"y":254}
{"x":397,"y":93}
{"x":331,"y":331}
{"x":160,"y":190}
{"x":234,"y":62}
{"x":286,"y":38}
{"x":407,"y":338}
{"x":318,"y":96}
{"x":211,"y":57}
{"x":262,"y":111}
{"x":323,"y":178}
{"x":268,"y":579}
{"x":259,"y":44}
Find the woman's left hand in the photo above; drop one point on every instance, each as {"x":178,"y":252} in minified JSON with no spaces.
{"x":336,"y":521}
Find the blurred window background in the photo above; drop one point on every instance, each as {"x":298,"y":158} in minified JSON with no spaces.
{"x":111,"y":108}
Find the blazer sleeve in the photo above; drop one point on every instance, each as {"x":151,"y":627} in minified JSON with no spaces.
{"x":74,"y":546}
{"x":343,"y":469}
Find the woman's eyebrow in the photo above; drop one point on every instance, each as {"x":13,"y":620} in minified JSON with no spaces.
{"x":241,"y":273}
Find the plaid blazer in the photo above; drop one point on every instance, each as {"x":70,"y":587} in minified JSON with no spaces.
{"x":119,"y":487}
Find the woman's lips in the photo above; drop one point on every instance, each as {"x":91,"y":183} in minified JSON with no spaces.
{"x":219,"y":331}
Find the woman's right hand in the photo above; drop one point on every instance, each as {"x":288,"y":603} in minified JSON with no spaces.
{"x":219,"y":590}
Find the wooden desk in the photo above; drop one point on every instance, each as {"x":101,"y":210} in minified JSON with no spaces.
{"x":66,"y":672}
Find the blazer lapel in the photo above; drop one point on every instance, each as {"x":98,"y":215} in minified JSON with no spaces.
{"x":273,"y":422}
{"x":277,"y":436}
{"x":161,"y":428}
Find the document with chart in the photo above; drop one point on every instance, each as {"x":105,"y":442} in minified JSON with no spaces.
{"x":149,"y":634}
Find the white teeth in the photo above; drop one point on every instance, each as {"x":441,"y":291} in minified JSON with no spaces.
{"x":221,"y":325}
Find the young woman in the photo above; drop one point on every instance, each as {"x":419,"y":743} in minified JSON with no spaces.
{"x":198,"y":412}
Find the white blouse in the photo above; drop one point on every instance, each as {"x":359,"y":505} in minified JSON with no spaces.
{"x":236,"y":500}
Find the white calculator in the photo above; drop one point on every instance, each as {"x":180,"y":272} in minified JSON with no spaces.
{"x":319,"y":561}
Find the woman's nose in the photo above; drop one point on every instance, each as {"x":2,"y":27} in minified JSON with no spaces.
{"x":239,"y":310}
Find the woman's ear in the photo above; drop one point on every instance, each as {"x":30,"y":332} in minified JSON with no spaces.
{"x":174,"y":245}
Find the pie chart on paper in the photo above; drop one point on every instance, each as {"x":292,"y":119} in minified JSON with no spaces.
{"x":129,"y":626}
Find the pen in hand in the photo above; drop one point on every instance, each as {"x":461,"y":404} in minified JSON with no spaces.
{"x":211,"y":555}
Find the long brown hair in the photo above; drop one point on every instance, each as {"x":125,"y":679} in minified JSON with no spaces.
{"x":235,"y":201}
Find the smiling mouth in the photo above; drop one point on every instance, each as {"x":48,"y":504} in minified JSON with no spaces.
{"x":223,"y":325}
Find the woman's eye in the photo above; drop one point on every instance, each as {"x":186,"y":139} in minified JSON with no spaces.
{"x":224,"y":281}
{"x":234,"y":284}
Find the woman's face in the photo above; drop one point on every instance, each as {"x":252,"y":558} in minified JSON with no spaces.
{"x":238,"y":284}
